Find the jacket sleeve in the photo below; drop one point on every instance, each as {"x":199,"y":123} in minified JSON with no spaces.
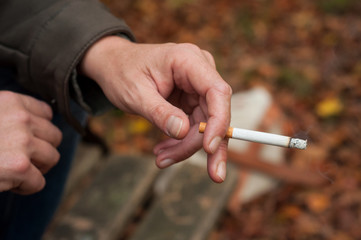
{"x":45,"y":40}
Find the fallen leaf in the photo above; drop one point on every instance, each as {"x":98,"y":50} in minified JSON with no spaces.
{"x":329,"y":107}
{"x":290,"y":212}
{"x":317,"y":202}
{"x":139,"y":126}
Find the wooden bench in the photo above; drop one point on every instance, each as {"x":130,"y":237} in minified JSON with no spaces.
{"x":127,"y":197}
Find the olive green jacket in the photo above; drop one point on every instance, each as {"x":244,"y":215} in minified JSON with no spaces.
{"x":44,"y":40}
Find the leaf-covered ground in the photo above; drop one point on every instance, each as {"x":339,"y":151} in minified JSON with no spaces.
{"x":308,"y":54}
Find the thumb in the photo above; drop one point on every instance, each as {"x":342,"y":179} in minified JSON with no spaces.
{"x":170,"y":119}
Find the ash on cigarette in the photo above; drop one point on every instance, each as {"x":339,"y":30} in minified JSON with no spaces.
{"x":298,"y":143}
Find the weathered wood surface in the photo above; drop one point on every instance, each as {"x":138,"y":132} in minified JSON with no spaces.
{"x":87,"y":158}
{"x":189,"y":207}
{"x":105,"y":208}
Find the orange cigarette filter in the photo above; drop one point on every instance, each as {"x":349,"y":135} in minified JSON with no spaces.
{"x":202,"y":128}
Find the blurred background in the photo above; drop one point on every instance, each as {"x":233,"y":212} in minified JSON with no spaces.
{"x":308,"y":55}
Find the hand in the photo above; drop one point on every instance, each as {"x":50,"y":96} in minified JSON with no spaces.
{"x":28,"y":142}
{"x":175,"y":86}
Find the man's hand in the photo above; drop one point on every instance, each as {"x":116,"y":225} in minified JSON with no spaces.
{"x":175,"y":86}
{"x":28,"y":142}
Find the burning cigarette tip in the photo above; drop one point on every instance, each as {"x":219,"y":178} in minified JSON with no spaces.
{"x":298,"y":143}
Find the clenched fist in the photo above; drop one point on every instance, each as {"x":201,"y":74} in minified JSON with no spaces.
{"x":28,"y":142}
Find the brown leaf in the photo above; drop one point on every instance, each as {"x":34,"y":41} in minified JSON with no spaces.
{"x":318,"y":202}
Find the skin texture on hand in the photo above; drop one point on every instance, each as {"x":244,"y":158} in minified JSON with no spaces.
{"x":28,"y":142}
{"x":174,"y":86}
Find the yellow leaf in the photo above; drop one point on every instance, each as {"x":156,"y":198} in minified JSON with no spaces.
{"x":329,"y":107}
{"x":139,"y":126}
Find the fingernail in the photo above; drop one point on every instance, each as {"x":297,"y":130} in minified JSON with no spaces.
{"x":213,"y":146}
{"x":221,"y":170}
{"x":166,"y":163}
{"x":174,"y":125}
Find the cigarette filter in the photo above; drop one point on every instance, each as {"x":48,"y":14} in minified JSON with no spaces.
{"x":261,"y":137}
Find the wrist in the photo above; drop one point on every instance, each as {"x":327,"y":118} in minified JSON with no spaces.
{"x":97,"y":59}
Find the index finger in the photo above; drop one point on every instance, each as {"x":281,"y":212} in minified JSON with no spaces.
{"x":215,"y":93}
{"x":218,"y":107}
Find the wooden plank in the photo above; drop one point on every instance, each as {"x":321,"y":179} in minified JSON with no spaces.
{"x":105,"y":208}
{"x":86,"y":158}
{"x":189,"y":208}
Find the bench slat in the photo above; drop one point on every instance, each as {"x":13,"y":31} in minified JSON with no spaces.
{"x":189,"y":207}
{"x":105,"y":208}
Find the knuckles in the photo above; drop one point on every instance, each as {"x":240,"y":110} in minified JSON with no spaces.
{"x":23,"y":117}
{"x":188,"y":47}
{"x":8,"y":96}
{"x":222,"y":88}
{"x":225,"y":89}
{"x":23,"y":139}
{"x":157,"y":111}
{"x":186,"y":51}
{"x":20,"y":164}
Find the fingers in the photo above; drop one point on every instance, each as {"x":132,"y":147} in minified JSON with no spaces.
{"x":46,"y":137}
{"x":37,"y":107}
{"x":186,"y":102}
{"x":198,"y":70}
{"x":31,"y":182}
{"x":28,"y":142}
{"x":202,"y":77}
{"x":209,"y":58}
{"x":23,"y":173}
{"x":45,"y":130}
{"x":19,"y":175}
{"x":167,"y":117}
{"x":218,"y":119}
{"x":43,"y":155}
{"x":172,"y":150}
{"x":216,"y":163}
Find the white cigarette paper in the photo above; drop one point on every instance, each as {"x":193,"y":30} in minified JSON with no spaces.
{"x":261,"y":137}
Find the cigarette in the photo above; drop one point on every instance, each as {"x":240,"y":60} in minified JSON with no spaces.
{"x":261,"y":137}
